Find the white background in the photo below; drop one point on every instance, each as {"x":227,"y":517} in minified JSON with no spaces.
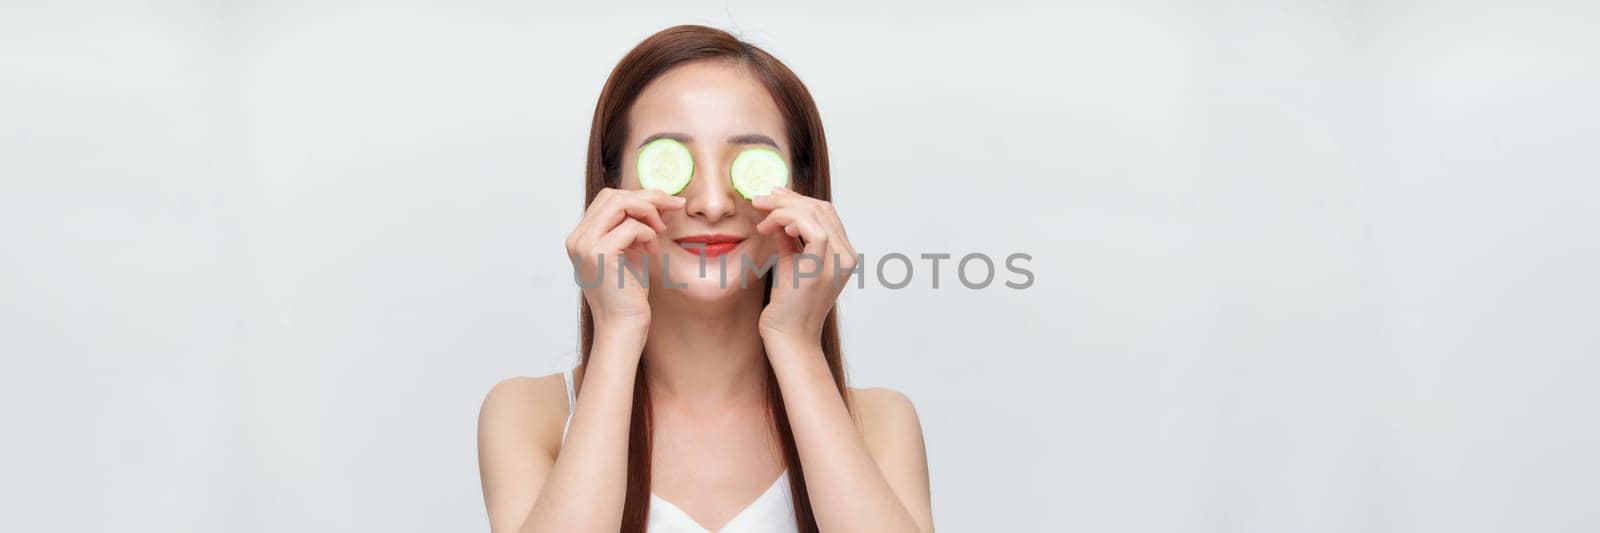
{"x":1301,"y":266}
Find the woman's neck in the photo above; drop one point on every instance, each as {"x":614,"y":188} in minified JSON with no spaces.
{"x":706,"y":355}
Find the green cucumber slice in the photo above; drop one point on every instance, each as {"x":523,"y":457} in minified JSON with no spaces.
{"x":757,"y":170}
{"x":665,"y":164}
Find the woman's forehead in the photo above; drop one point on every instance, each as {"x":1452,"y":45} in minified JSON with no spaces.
{"x":711,"y":99}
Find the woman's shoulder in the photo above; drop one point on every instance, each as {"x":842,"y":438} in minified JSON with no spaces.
{"x":532,"y":410}
{"x":885,"y":416}
{"x":538,"y":390}
{"x":879,"y":397}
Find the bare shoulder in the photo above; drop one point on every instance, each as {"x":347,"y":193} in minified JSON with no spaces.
{"x":885,"y":416}
{"x":881,"y":404}
{"x":525,"y":412}
{"x":893,"y":436}
{"x":519,"y":435}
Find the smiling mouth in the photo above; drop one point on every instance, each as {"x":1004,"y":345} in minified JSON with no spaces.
{"x":710,"y":245}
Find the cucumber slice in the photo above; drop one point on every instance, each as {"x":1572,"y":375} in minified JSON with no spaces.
{"x":757,"y":170}
{"x":665,"y":164}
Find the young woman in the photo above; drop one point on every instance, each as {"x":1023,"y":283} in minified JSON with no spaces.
{"x":702,"y":404}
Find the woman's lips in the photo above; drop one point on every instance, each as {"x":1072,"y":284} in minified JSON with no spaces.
{"x":712,"y":245}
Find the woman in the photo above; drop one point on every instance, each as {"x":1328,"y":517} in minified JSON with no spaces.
{"x":702,"y":404}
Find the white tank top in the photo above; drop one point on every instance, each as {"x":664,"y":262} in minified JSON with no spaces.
{"x":771,"y":512}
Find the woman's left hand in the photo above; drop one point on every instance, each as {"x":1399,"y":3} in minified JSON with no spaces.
{"x":806,"y":279}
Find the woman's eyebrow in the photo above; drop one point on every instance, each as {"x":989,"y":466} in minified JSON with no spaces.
{"x":748,"y":138}
{"x":680,"y":137}
{"x":752,"y":138}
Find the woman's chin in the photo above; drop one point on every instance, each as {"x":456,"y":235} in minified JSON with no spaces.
{"x":711,"y":287}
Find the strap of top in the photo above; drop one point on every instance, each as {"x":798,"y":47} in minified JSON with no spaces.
{"x":572,"y":402}
{"x":572,"y":392}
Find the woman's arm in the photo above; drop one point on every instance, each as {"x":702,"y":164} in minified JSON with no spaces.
{"x":877,"y":481}
{"x":534,"y":483}
{"x":518,"y":435}
{"x":870,"y":479}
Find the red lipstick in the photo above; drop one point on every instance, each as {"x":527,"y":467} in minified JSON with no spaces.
{"x":710,"y":245}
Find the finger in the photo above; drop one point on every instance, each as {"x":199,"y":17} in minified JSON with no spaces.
{"x":627,"y":235}
{"x":775,"y":222}
{"x":800,"y":223}
{"x":658,"y":202}
{"x":781,"y":197}
{"x":641,"y":210}
{"x":586,"y":220}
{"x":609,"y":197}
{"x":829,"y":217}
{"x":632,"y":207}
{"x":624,"y":243}
{"x":661,"y":200}
{"x":788,"y":245}
{"x":778,"y":218}
{"x":835,"y":249}
{"x":838,"y":247}
{"x":816,"y":238}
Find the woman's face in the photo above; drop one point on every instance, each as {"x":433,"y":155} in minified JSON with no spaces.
{"x":717,"y":109}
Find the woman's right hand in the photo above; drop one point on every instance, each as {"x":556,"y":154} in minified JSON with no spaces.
{"x":618,"y":222}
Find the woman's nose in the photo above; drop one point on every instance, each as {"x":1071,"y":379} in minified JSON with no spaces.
{"x":710,"y":194}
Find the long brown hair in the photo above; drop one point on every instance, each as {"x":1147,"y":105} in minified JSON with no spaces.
{"x":647,"y":61}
